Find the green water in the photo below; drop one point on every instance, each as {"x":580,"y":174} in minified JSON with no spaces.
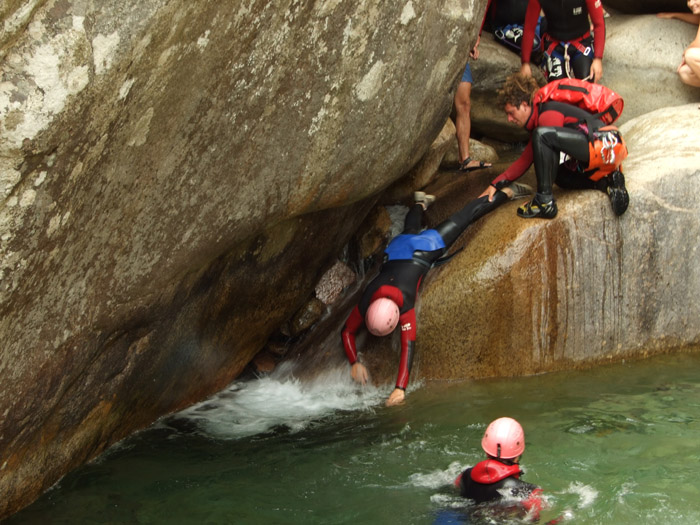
{"x":619,"y":444}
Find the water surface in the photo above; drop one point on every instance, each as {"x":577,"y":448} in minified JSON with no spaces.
{"x":618,"y":444}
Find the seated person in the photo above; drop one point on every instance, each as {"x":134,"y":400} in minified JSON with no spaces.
{"x":689,"y":68}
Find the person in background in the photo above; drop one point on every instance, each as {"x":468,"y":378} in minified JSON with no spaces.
{"x":389,"y":300}
{"x":554,"y":129}
{"x":505,"y":17}
{"x":571,"y":49}
{"x":463,"y":119}
{"x":689,"y":68}
{"x":497,"y":478}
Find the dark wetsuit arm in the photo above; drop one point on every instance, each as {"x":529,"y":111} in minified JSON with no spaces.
{"x":407,"y":322}
{"x":595,"y":10}
{"x":352,"y":325}
{"x":531,"y":16}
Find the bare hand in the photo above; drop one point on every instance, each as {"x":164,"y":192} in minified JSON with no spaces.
{"x":474,"y":53}
{"x":396,"y":397}
{"x":490,"y":191}
{"x":525,"y":70}
{"x":359,"y":373}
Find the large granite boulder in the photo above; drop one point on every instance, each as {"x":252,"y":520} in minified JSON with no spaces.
{"x":642,"y":54}
{"x":175,"y":177}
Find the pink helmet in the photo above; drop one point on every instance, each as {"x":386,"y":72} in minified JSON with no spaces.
{"x":382,"y":316}
{"x":504,"y":438}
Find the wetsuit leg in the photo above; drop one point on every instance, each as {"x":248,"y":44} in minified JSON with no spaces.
{"x":555,"y":64}
{"x":413,"y":223}
{"x":453,"y":227}
{"x":574,"y":180}
{"x":547,"y":143}
{"x":581,"y":65}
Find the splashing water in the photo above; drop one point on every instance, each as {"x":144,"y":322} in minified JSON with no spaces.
{"x":279,"y":400}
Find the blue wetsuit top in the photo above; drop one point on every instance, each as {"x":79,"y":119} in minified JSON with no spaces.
{"x":403,"y":246}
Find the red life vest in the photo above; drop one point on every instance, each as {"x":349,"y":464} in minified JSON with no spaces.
{"x":491,"y":471}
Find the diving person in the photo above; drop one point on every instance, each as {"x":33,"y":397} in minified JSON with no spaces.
{"x":390,"y":298}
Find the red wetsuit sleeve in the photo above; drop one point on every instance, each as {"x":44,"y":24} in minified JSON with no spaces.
{"x":520,"y":166}
{"x":534,"y":501}
{"x":595,"y":10}
{"x":352,"y":325}
{"x":407,"y":322}
{"x":531,"y":16}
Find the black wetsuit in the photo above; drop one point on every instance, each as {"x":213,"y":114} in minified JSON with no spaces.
{"x":403,"y":270}
{"x":493,"y":481}
{"x":567,"y":35}
{"x":555,"y":128}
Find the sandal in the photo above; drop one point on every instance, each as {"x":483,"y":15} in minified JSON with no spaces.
{"x":464,"y":165}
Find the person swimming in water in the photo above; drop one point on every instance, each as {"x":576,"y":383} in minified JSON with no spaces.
{"x":496,"y":480}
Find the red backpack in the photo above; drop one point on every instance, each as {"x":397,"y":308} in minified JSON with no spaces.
{"x":607,"y":148}
{"x":603,"y":102}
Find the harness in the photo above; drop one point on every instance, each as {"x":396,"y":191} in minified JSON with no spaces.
{"x":577,"y":44}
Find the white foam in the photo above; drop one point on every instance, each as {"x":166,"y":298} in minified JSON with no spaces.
{"x":280,"y":399}
{"x":437,"y":478}
{"x":586,"y":494}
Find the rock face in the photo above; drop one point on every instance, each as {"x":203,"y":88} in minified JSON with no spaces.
{"x":175,"y":177}
{"x":656,"y":43}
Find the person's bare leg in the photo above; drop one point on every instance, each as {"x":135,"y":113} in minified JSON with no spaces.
{"x":463,"y":121}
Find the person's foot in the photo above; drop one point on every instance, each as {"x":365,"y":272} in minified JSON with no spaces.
{"x":470,"y":164}
{"x":424,"y":199}
{"x":517,"y":190}
{"x":619,"y":198}
{"x":535,"y":208}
